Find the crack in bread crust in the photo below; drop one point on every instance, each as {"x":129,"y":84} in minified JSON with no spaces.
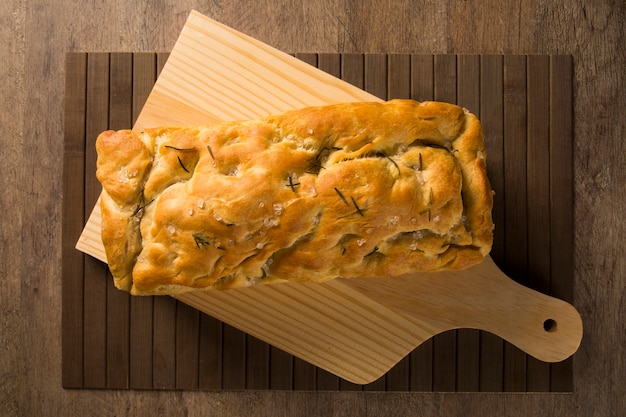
{"x":351,"y":190}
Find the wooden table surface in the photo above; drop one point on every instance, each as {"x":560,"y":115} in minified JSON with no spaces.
{"x":36,"y":35}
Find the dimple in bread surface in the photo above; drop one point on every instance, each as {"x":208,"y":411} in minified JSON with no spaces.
{"x":345,"y":190}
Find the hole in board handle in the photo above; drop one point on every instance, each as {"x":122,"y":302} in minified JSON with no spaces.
{"x":549,"y":325}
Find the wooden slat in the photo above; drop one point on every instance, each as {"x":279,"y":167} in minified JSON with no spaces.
{"x":144,"y":77}
{"x":258,"y":364}
{"x":444,"y":349}
{"x":468,"y":340}
{"x":422,"y":89}
{"x":304,"y":375}
{"x":330,"y":64}
{"x":73,"y":218}
{"x":516,"y":239}
{"x":352,"y":69}
{"x":164,"y":321}
{"x":164,"y":343}
{"x":375,"y":75}
{"x":538,"y":185}
{"x":399,"y":76}
{"x":141,"y":333}
{"x":95,"y":274}
{"x":210,"y":353}
{"x":561,"y":199}
{"x":118,"y":302}
{"x":141,"y":308}
{"x":492,"y":118}
{"x":187,"y":342}
{"x":233,"y":358}
{"x":191,"y":350}
{"x":280,"y":369}
{"x":398,"y":86}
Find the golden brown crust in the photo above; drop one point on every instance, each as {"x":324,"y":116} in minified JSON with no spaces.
{"x":352,"y":190}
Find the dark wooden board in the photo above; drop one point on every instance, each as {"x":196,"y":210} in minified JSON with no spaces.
{"x":111,"y":340}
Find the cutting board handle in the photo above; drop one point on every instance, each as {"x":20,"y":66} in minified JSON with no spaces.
{"x":484,"y":298}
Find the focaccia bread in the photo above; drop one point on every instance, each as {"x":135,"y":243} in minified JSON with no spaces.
{"x":346,"y":190}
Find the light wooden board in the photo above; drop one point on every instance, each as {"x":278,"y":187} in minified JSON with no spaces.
{"x":355,"y":329}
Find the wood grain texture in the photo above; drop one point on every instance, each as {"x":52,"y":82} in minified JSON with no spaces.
{"x":37,"y":34}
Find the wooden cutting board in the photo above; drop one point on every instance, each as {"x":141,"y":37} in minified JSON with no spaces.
{"x":356,"y":329}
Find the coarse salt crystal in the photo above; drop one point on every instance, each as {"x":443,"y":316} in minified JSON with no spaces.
{"x":361,"y":242}
{"x":270,"y":222}
{"x":278,"y":209}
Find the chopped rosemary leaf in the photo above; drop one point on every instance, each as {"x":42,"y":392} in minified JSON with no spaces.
{"x":356,"y":206}
{"x":343,"y":198}
{"x":394,"y":162}
{"x":292,"y":184}
{"x":179,"y":149}
{"x":208,"y":148}
{"x":315,"y":167}
{"x":181,"y":164}
{"x":201,"y":240}
{"x":372,"y":252}
{"x":140,"y":206}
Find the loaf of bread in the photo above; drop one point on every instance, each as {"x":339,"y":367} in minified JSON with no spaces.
{"x":346,"y":190}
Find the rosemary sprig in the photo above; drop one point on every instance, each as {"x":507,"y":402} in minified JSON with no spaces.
{"x":356,"y":206}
